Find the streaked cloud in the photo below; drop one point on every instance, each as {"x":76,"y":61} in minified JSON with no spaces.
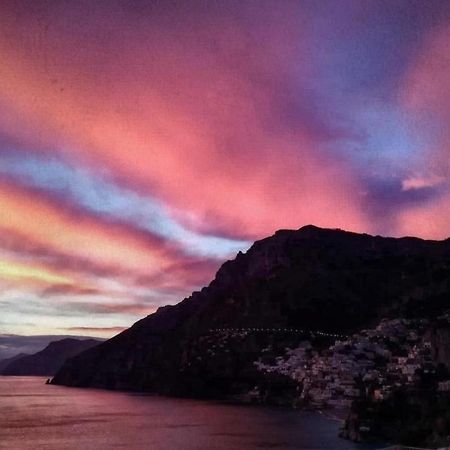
{"x":141,"y":145}
{"x":15,"y":271}
{"x":97,"y":330}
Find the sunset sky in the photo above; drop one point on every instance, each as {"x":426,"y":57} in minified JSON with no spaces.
{"x":142,"y":143}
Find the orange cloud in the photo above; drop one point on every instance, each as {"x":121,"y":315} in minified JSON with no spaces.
{"x":96,"y":331}
{"x":57,"y":251}
{"x":68,"y":232}
{"x":23,"y":273}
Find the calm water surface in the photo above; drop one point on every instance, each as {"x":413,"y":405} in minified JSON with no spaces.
{"x":36,"y":416}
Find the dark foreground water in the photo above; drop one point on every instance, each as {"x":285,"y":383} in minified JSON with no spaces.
{"x":36,"y":416}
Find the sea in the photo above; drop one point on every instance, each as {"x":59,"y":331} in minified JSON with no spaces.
{"x":36,"y":416}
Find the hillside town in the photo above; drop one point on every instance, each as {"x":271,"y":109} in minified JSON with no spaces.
{"x":369,"y":364}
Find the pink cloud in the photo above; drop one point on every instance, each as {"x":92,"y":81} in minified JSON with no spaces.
{"x":426,"y":96}
{"x":420,"y":182}
{"x":192,"y":116}
{"x":429,"y":221}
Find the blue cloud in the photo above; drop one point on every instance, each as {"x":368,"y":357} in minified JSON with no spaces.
{"x":98,"y":194}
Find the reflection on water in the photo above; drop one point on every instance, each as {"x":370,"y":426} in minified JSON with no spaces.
{"x":37,"y":416}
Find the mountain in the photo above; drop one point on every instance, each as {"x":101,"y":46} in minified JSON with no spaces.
{"x":5,"y":362}
{"x":308,"y":279}
{"x":47,"y":361}
{"x":13,"y":344}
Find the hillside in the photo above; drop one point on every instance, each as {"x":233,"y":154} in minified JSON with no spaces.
{"x":5,"y":362}
{"x":49,"y":360}
{"x":310,"y":279}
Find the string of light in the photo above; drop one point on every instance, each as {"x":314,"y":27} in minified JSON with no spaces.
{"x":279,"y":330}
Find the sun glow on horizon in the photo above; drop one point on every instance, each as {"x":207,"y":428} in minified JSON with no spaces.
{"x":17,"y":271}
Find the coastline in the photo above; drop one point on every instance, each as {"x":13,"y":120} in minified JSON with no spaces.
{"x":335,"y":415}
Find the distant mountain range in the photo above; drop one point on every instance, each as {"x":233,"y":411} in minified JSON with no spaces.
{"x":48,"y":361}
{"x":13,"y":344}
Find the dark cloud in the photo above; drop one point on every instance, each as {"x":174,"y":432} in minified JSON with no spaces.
{"x":69,"y":289}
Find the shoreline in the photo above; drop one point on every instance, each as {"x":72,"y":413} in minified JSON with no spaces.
{"x":328,"y":413}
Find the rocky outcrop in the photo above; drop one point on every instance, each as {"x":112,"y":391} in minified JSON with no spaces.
{"x":49,"y":360}
{"x":440,"y":344}
{"x":312,"y":278}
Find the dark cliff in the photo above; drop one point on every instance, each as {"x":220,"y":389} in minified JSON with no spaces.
{"x":311,"y":278}
{"x":49,"y":360}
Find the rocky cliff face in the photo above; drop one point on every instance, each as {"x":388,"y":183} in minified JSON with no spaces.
{"x":411,"y":417}
{"x":49,"y":360}
{"x":440,"y":342}
{"x":312,"y":278}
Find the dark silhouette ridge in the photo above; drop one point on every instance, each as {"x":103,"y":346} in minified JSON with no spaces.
{"x":311,"y":278}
